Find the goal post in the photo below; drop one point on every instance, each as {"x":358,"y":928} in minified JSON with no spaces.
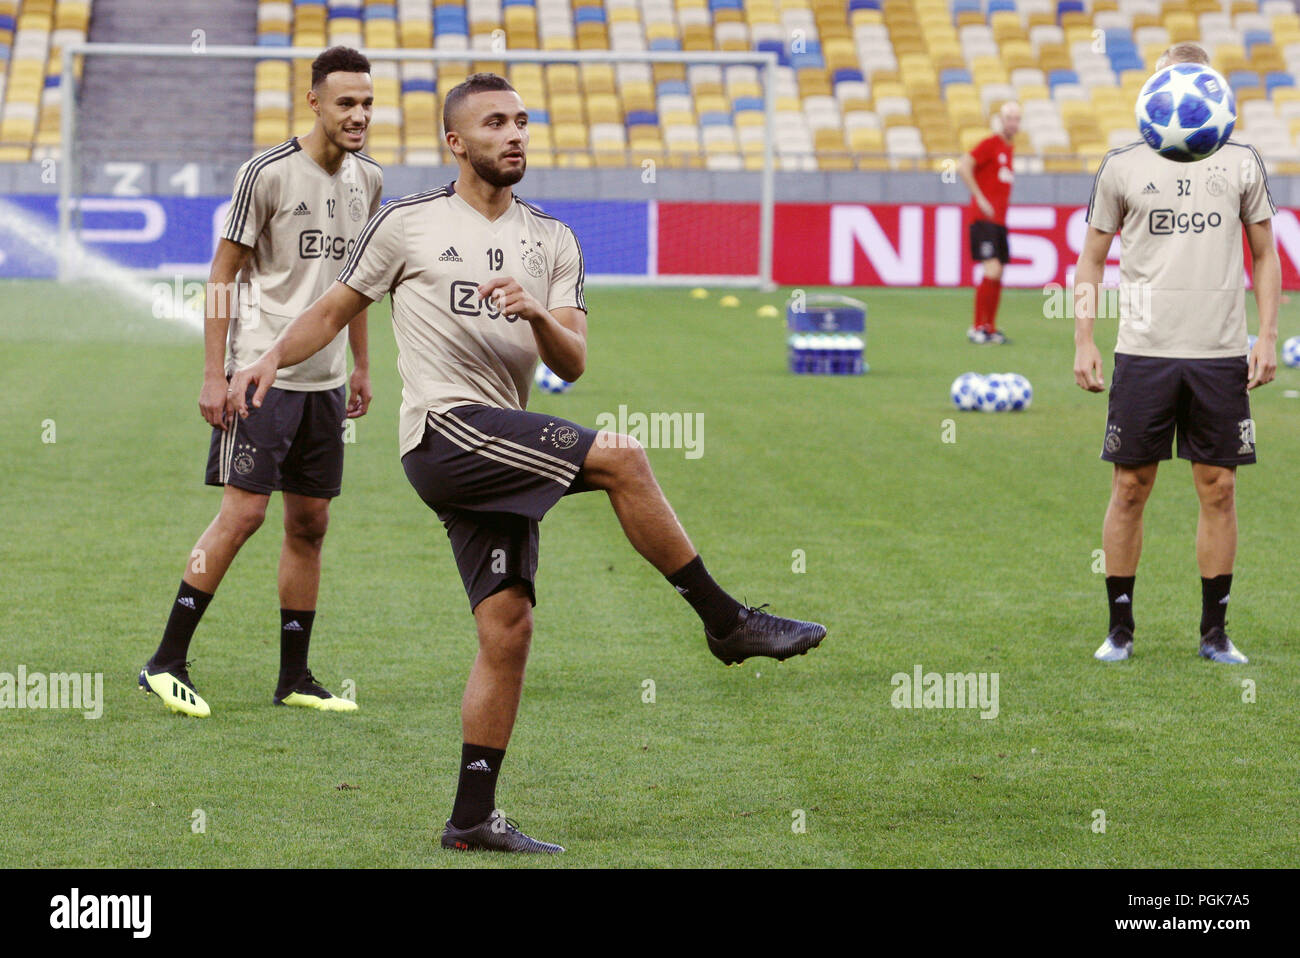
{"x":750,"y":265}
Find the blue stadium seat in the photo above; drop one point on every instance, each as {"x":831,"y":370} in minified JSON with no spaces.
{"x":1057,"y":77}
{"x":726,"y":5}
{"x":353,"y":12}
{"x":419,"y":86}
{"x":642,"y":118}
{"x":715,"y":119}
{"x":665,"y":43}
{"x":954,"y":75}
{"x":4,"y":53}
{"x":51,"y":81}
{"x":589,"y":15}
{"x":7,"y":22}
{"x":996,"y":6}
{"x":381,"y":11}
{"x":777,"y":47}
{"x":747,"y":104}
{"x":273,"y":40}
{"x":673,"y":88}
{"x":518,"y":3}
{"x":1068,"y":6}
{"x":851,"y":74}
{"x":809,"y":58}
{"x":863,"y":5}
{"x":309,"y":3}
{"x":961,"y":6}
{"x":539,"y":116}
{"x":1275,"y":80}
{"x":1243,"y":78}
{"x":1255,"y":37}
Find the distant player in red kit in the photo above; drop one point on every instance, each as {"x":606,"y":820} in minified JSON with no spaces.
{"x":986,"y":171}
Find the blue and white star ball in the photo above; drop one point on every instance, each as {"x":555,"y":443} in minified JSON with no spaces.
{"x":1022,"y":393}
{"x":548,"y":382}
{"x":1291,"y":352}
{"x":996,"y":394}
{"x":1186,"y":111}
{"x":965,"y":391}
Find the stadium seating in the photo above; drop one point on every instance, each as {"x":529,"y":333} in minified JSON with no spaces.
{"x":32,"y":36}
{"x":862,"y":84}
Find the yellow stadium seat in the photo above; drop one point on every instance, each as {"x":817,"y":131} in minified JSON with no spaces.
{"x":570,"y":136}
{"x":414,"y":34}
{"x":604,"y":108}
{"x":566,"y":108}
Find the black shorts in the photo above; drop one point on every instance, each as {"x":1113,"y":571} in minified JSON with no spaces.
{"x":1203,"y":400}
{"x":988,"y":240}
{"x":292,"y":443}
{"x":491,"y":475}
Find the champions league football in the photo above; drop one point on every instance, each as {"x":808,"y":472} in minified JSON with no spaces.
{"x":996,"y":392}
{"x":1186,"y":112}
{"x":548,"y":382}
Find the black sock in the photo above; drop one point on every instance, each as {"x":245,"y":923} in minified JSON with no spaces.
{"x":295,"y":636}
{"x":186,"y":611}
{"x":476,"y":793}
{"x":717,"y":609}
{"x":1214,"y":601}
{"x":1119,"y":592}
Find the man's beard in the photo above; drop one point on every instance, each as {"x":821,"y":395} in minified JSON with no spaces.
{"x":492,"y":176}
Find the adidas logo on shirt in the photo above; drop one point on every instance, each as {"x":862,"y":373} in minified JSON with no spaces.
{"x":301,"y":210}
{"x":1123,"y":600}
{"x":479,"y":765}
{"x":1150,"y":188}
{"x":293,"y":626}
{"x":449,"y":255}
{"x":186,"y":601}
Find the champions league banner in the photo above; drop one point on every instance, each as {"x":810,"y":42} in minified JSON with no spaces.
{"x":815,"y":244}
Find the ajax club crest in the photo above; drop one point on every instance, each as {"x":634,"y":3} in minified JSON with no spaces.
{"x":532,"y":258}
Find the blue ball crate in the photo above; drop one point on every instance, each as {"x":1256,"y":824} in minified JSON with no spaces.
{"x":827,"y":335}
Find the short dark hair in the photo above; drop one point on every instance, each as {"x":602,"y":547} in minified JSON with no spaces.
{"x":1185,"y":52}
{"x":337,"y":60}
{"x":474,"y":83}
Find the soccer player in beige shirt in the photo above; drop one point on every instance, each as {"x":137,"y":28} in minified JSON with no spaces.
{"x":1181,"y":360}
{"x":296,"y":213}
{"x":483,"y":284}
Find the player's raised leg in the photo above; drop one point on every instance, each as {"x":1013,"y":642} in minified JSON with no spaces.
{"x":165,"y":674}
{"x":1121,"y":540}
{"x":504,"y":621}
{"x":1216,"y":550}
{"x":618,"y":464}
{"x":306,"y":518}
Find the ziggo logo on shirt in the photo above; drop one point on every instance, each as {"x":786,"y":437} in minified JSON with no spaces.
{"x":1167,"y":222}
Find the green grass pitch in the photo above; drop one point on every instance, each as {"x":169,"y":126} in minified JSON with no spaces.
{"x":968,"y":556}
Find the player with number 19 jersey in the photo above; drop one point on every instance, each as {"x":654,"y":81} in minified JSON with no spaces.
{"x":433,"y":250}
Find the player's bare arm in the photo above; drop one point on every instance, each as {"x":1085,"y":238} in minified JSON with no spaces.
{"x":220,"y":300}
{"x":304,"y":337}
{"x":561,"y":335}
{"x":1266,"y":271}
{"x":966,"y":170}
{"x":359,"y":391}
{"x":1088,"y":275}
